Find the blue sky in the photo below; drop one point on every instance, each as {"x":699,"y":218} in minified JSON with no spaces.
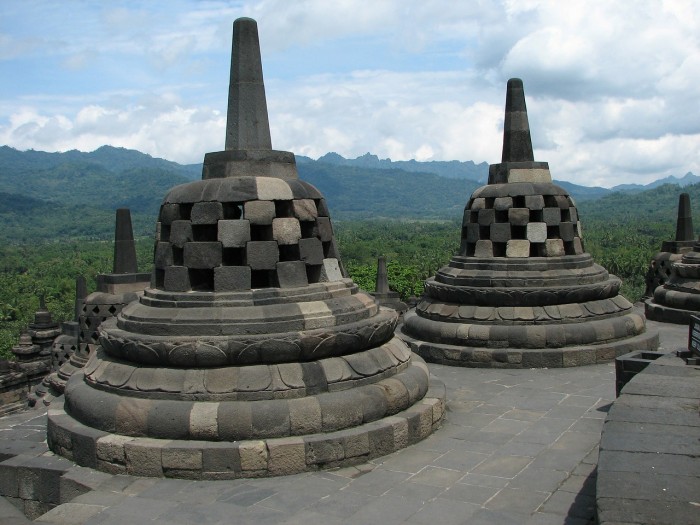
{"x":613,"y":88}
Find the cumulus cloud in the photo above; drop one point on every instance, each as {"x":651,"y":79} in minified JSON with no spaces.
{"x":610,"y":87}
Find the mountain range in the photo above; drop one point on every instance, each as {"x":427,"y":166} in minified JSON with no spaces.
{"x":48,"y":196}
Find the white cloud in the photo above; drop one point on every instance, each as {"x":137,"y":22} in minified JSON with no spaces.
{"x":611,"y":88}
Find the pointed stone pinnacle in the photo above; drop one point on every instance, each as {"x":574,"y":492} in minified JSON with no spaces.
{"x":382,"y":283}
{"x":247,"y":125}
{"x":80,"y":295}
{"x":684,"y":223}
{"x":517,"y":143}
{"x":124,"y":247}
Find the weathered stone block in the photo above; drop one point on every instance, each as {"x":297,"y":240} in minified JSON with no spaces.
{"x":500,"y":232}
{"x":182,"y":458}
{"x":180,"y":233}
{"x":304,"y":209}
{"x":207,"y":212}
{"x":231,"y":278}
{"x":259,"y":212}
{"x":311,"y":251}
{"x":566,"y":231}
{"x":286,"y":456}
{"x":202,"y":255}
{"x":503,"y":203}
{"x":286,"y":230}
{"x":221,"y":457}
{"x":143,"y":457}
{"x":176,"y":279}
{"x":330,"y":270}
{"x":472,"y":232}
{"x":110,"y":448}
{"x":534,"y":202}
{"x":518,"y":248}
{"x":291,"y":274}
{"x":536,"y":232}
{"x":169,"y":213}
{"x":304,"y":416}
{"x":164,"y":255}
{"x":478,"y":204}
{"x":487,"y":216}
{"x":234,"y":233}
{"x":483,"y":249}
{"x":578,"y":246}
{"x":552,"y":216}
{"x":325,"y":229}
{"x":554,"y":248}
{"x":253,"y":455}
{"x":518,"y":216}
{"x":262,"y":255}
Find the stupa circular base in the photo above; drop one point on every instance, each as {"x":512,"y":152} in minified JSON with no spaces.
{"x":485,"y":357}
{"x":667,"y":314}
{"x":191,"y":459}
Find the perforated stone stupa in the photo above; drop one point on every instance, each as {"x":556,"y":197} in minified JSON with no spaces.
{"x":522,"y":292}
{"x":250,"y":354}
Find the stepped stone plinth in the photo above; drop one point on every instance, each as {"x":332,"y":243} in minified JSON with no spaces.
{"x":522,"y":292}
{"x":251,"y":354}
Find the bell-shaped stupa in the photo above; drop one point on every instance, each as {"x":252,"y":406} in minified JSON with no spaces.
{"x":251,"y":354}
{"x":522,"y":292}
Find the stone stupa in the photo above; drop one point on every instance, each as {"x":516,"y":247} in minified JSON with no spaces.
{"x":383,"y":294}
{"x":250,"y":354}
{"x":522,"y":292}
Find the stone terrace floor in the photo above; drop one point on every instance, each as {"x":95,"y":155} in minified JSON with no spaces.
{"x":517,"y":447}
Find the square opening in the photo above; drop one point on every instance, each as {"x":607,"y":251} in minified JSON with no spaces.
{"x":499,"y":249}
{"x":233,"y":257}
{"x":201,"y":280}
{"x":233,"y":210}
{"x":263,"y":278}
{"x":185,"y":211}
{"x":261,"y":232}
{"x":284,"y":209}
{"x":178,"y":256}
{"x":204,"y":232}
{"x":289,"y":252}
{"x":313,"y":273}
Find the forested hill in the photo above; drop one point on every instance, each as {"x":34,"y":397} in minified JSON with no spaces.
{"x":47,"y":196}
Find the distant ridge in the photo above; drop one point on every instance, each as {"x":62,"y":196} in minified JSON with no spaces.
{"x":686,"y":180}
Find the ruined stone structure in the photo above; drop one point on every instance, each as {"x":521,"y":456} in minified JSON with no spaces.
{"x":677,"y":296}
{"x":383,"y":294}
{"x":250,"y":354}
{"x":522,"y":292}
{"x":114,"y":291}
{"x":671,"y":251}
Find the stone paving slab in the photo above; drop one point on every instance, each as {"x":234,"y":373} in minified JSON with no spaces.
{"x":516,"y":447}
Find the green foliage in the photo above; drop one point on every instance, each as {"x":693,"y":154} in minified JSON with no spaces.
{"x":28,"y":271}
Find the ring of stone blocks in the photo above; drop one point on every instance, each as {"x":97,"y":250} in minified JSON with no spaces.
{"x":539,"y":264}
{"x":687,"y":271}
{"x":136,"y":456}
{"x":188,"y":350}
{"x":254,"y":381}
{"x":241,"y":224}
{"x":483,"y":357}
{"x":564,"y":334}
{"x":246,"y":320}
{"x":227,"y":420}
{"x":516,"y":215}
{"x":591,"y":274}
{"x":558,"y":313}
{"x":255,"y":297}
{"x":526,"y":296}
{"x":680,"y":299}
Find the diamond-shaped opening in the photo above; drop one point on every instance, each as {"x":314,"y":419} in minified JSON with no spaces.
{"x":185,"y":211}
{"x":263,"y":278}
{"x":233,"y":257}
{"x":201,"y":279}
{"x":261,"y":232}
{"x":204,"y":232}
{"x":233,"y":210}
{"x":289,"y":252}
{"x":284,"y":209}
{"x":313,"y":273}
{"x":96,"y":309}
{"x":112,"y":309}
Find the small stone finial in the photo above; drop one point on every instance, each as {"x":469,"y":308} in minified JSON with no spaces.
{"x":382,"y":283}
{"x":517,"y":143}
{"x":684,"y":223}
{"x":80,"y":295}
{"x":124,"y":246}
{"x":247,"y":125}
{"x":42,"y":302}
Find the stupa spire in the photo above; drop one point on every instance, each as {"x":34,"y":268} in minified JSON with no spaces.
{"x":124,"y":247}
{"x":247,"y":125}
{"x":382,"y":283}
{"x":684,"y":223}
{"x":80,"y":295}
{"x":517,"y":143}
